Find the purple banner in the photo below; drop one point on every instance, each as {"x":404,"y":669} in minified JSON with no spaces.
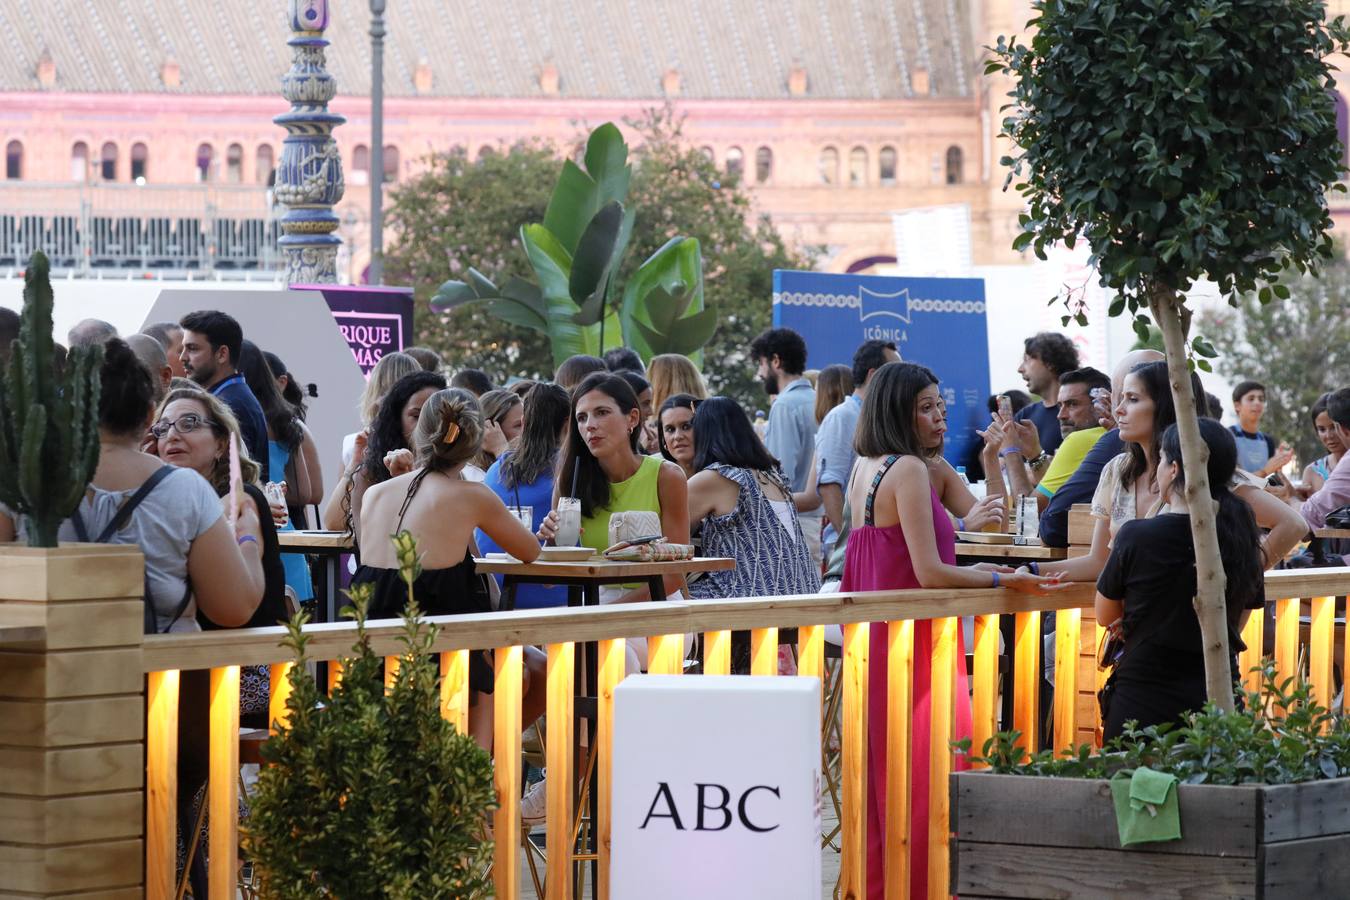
{"x":373,"y":320}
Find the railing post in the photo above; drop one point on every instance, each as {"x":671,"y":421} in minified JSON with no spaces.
{"x":72,"y":720}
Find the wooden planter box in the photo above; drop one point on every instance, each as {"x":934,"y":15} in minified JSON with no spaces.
{"x":1028,"y":837}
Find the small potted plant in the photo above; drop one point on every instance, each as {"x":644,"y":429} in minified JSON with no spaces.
{"x":369,"y":792}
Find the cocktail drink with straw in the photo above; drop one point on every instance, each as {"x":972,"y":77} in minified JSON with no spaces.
{"x":569,"y":522}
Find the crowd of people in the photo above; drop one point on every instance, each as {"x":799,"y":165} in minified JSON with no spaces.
{"x":845,"y":487}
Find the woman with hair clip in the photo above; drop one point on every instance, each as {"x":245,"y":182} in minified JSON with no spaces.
{"x":391,"y":430}
{"x":1149,"y":581}
{"x":523,"y":479}
{"x":447,"y":434}
{"x":902,"y":537}
{"x":1129,"y":487}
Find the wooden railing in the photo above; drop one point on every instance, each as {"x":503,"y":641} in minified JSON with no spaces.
{"x":664,"y":625}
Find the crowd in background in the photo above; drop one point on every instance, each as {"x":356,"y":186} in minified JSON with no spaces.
{"x":843,"y":487}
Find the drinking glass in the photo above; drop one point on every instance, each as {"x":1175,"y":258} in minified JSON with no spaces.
{"x":569,"y":522}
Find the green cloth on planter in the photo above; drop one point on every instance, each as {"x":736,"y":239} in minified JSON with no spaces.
{"x":1146,"y":806}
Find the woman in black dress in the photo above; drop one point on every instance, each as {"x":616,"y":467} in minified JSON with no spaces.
{"x":428,"y":498}
{"x":1149,"y":583}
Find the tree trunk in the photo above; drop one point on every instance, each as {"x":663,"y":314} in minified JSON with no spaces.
{"x":1210,"y":606}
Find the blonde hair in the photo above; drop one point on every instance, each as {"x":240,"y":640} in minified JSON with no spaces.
{"x":495,"y":405}
{"x":832,"y":388}
{"x":671,"y":374}
{"x":223,"y":424}
{"x":390,"y":368}
{"x":449,"y":430}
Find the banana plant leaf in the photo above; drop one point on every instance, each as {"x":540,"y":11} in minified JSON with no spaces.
{"x":595,"y":260}
{"x":661,"y":294}
{"x":579,"y":195}
{"x":517,"y":301}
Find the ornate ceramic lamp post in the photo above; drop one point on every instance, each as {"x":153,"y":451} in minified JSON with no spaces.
{"x":309,"y":179}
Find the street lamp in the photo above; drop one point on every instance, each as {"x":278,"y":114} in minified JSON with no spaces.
{"x":377,"y":141}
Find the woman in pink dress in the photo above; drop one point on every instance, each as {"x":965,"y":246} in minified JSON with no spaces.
{"x":900,"y":494}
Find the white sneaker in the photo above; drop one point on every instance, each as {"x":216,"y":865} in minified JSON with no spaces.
{"x":534,"y":805}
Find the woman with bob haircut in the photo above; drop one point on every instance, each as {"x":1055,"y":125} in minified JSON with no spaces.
{"x":449,"y":432}
{"x":902,"y":537}
{"x":675,"y":431}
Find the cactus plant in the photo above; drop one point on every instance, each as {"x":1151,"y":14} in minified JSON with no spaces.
{"x":48,"y":418}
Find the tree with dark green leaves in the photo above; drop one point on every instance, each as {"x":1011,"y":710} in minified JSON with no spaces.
{"x":1299,"y":350}
{"x":1180,"y":139}
{"x":461,"y":212}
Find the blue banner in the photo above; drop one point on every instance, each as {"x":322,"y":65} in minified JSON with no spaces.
{"x":937,"y":322}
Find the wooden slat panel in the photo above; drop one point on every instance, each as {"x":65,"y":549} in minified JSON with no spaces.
{"x":1286,"y":638}
{"x":223,"y":789}
{"x":764,"y":651}
{"x":1066,"y":678}
{"x":78,"y":770}
{"x":64,"y":723}
{"x":665,"y":654}
{"x":811,"y":654}
{"x":1313,"y":809}
{"x":1250,"y":659}
{"x":70,"y":673}
{"x":717,"y":653}
{"x":455,"y":689}
{"x":610,"y":663}
{"x":278,"y":693}
{"x":899,"y":707}
{"x":853,"y":820}
{"x":507,"y":661}
{"x":1311,"y":868}
{"x":161,"y":784}
{"x":83,"y":818}
{"x":984,"y":682}
{"x":561,"y":671}
{"x":334,"y":674}
{"x":1320,"y":654}
{"x":98,"y":869}
{"x":1027,"y":678}
{"x":940,"y":755}
{"x":391,"y":664}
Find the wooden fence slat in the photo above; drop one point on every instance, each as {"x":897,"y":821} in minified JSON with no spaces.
{"x":223,"y":787}
{"x":1249,"y":660}
{"x":161,"y":784}
{"x":391,"y":664}
{"x":940,"y":693}
{"x":811,"y":655}
{"x":1286,"y":638}
{"x":853,"y":824}
{"x":717,"y":653}
{"x":507,"y":662}
{"x":610,"y":664}
{"x":984,"y":682}
{"x":455,"y":689}
{"x":278,"y":692}
{"x":764,"y":651}
{"x":1066,"y":678}
{"x":1321,"y":657}
{"x":665,"y":654}
{"x":334,"y":675}
{"x":899,"y":707}
{"x":561,"y":671}
{"x":1027,"y":678}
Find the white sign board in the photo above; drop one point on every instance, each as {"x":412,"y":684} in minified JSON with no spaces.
{"x":716,"y":788}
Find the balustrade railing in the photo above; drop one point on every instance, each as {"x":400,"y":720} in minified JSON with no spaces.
{"x":1306,"y":643}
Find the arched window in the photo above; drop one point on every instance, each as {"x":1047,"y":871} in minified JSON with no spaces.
{"x":79,"y":162}
{"x":360,"y":173}
{"x":234,"y":164}
{"x":735,"y":163}
{"x":886,"y":165}
{"x":390,"y":163}
{"x":205,"y":158}
{"x":955,"y":165}
{"x":140,"y":158}
{"x":708,"y":154}
{"x":857,"y":167}
{"x":263,"y":164}
{"x":763,"y":165}
{"x":485,"y":150}
{"x":107,"y":162}
{"x":829,"y":166}
{"x":14,"y":160}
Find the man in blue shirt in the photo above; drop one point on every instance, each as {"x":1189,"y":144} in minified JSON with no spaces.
{"x":211,"y":345}
{"x":834,"y":439}
{"x":780,"y":354}
{"x":1046,"y":356}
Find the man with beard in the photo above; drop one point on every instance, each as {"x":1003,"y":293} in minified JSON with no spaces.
{"x":1036,"y":472}
{"x":1046,"y":357}
{"x":211,"y":344}
{"x":780,"y":354}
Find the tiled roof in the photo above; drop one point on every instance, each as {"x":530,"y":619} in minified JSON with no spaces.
{"x":849,"y":49}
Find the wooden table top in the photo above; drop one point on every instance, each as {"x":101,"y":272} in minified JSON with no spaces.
{"x":597,"y":567}
{"x":1009,"y":551}
{"x":1332,"y":532}
{"x":315,"y":540}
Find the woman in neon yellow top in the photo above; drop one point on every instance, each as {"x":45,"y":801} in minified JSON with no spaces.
{"x":612,"y":476}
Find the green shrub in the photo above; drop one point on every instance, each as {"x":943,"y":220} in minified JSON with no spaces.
{"x":1285,"y":740}
{"x":371,"y":793}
